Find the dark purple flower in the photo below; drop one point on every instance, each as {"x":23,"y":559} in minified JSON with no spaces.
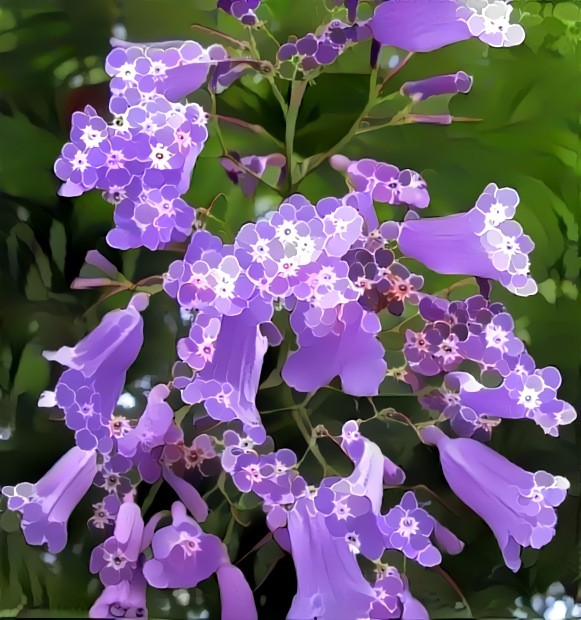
{"x":518,"y":506}
{"x":47,"y":505}
{"x":256,"y":164}
{"x":243,"y":10}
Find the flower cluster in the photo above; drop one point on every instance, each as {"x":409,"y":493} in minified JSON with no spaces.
{"x":333,"y":268}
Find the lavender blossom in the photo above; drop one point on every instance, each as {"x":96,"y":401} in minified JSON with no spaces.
{"x":409,"y":528}
{"x":350,"y":351}
{"x":427,"y":26}
{"x":240,"y":175}
{"x":522,"y":395}
{"x":393,"y":598}
{"x":125,"y":599}
{"x":183,"y":555}
{"x":384,"y":182}
{"x":459,"y":82}
{"x":228,"y":382}
{"x":47,"y":505}
{"x":89,"y":390}
{"x":116,"y":559}
{"x":518,"y":506}
{"x":485,"y":242}
{"x":330,"y":583}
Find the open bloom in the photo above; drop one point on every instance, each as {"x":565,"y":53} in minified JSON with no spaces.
{"x":522,"y":395}
{"x":116,"y":559}
{"x":519,"y":506}
{"x":484,"y":242}
{"x":47,"y":505}
{"x":429,"y":25}
{"x":184,"y":555}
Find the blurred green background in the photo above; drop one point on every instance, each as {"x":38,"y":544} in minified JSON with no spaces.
{"x":529,"y":100}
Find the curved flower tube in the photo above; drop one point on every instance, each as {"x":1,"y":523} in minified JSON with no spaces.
{"x":518,"y":506}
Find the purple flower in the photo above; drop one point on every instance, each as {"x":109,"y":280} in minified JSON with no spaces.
{"x":427,"y":26}
{"x":89,"y":390}
{"x":152,"y":425}
{"x":125,"y":599}
{"x":518,"y":506}
{"x":184,"y":555}
{"x":313,"y":51}
{"x":351,"y":351}
{"x":409,"y":528}
{"x":484,"y":242}
{"x":157,"y":218}
{"x":451,"y":84}
{"x":228,"y":382}
{"x":243,"y":10}
{"x":384,"y":182}
{"x":173,"y":69}
{"x":116,"y":559}
{"x":330,"y":583}
{"x":47,"y":505}
{"x":393,"y":598}
{"x":522,"y":395}
{"x":235,"y":594}
{"x":257,"y":164}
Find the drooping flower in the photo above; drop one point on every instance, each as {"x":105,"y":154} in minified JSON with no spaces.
{"x":349,"y":350}
{"x":116,"y":559}
{"x":228,"y":382}
{"x":427,"y":26}
{"x":47,"y":505}
{"x":329,"y":581}
{"x":451,"y":84}
{"x":89,"y":390}
{"x":484,"y":242}
{"x":518,"y":506}
{"x":522,"y":395}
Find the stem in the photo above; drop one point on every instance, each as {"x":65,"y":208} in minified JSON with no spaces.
{"x":297,"y":92}
{"x":217,"y":33}
{"x":393,"y":72}
{"x":371,"y":101}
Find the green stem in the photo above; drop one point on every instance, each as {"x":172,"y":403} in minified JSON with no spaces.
{"x":297,"y":93}
{"x":371,"y":102}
